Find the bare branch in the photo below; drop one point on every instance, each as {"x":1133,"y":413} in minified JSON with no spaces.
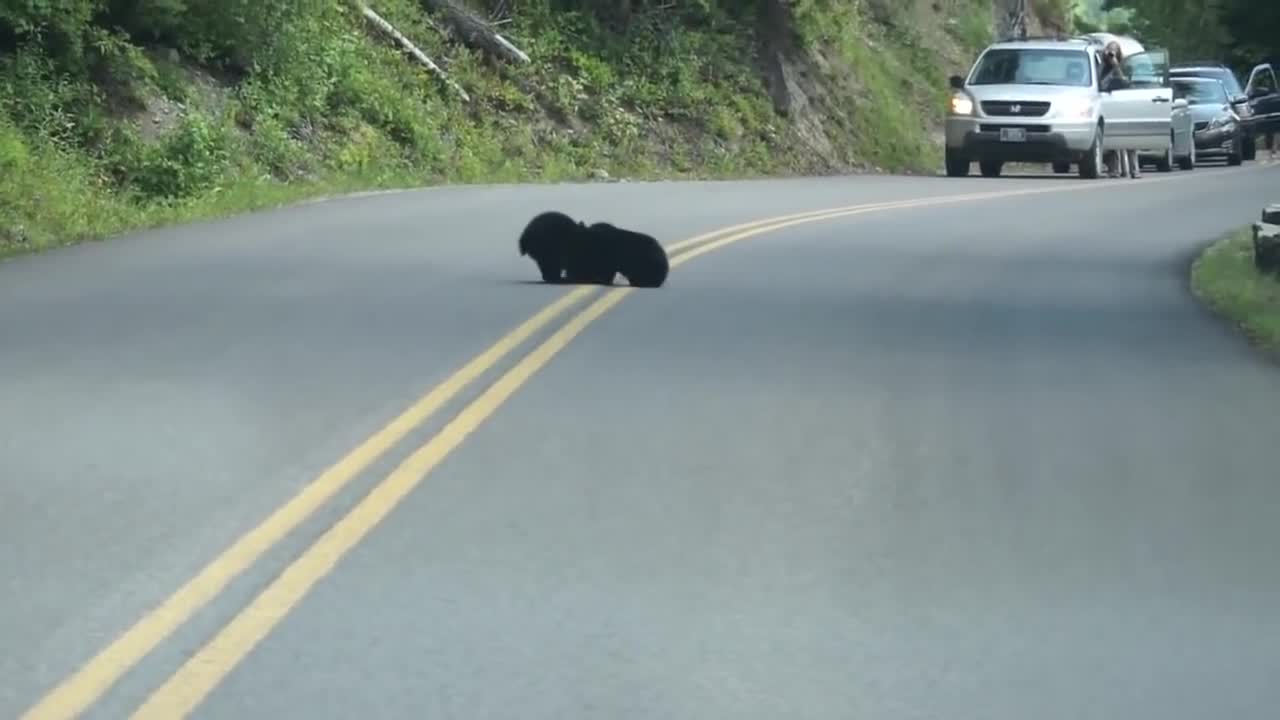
{"x":404,"y":42}
{"x":474,"y":32}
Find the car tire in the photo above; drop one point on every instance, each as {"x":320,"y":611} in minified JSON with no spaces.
{"x":1236,"y":158}
{"x":1188,"y":162}
{"x":990,"y":168}
{"x":1250,"y":150}
{"x":1062,"y":168}
{"x":957,"y":164}
{"x":1165,"y":164}
{"x":1091,"y":163}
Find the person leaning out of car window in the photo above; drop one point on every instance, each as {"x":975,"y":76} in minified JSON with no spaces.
{"x":1124,"y":162}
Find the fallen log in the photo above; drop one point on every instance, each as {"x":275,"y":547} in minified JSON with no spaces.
{"x":388,"y":29}
{"x":473,"y":31}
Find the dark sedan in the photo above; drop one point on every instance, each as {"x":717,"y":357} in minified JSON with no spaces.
{"x":1240,"y":101}
{"x":1215,"y":126}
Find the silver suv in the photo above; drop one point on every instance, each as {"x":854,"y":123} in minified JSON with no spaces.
{"x":1039,"y":101}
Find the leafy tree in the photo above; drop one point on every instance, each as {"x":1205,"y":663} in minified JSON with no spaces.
{"x":1239,"y":32}
{"x":1254,"y":28}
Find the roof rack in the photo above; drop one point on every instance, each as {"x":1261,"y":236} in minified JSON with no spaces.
{"x":1039,"y":38}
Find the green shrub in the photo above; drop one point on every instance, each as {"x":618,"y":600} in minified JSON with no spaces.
{"x":190,"y":160}
{"x":306,"y":97}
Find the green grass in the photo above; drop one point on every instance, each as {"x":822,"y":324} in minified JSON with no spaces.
{"x":1225,"y":279}
{"x":106,"y":129}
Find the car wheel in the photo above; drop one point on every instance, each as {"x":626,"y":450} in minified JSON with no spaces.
{"x":1188,"y":162}
{"x":990,"y":168}
{"x":1250,"y":151}
{"x":1091,"y":163}
{"x":1165,"y":164}
{"x":957,"y":165}
{"x":1237,"y":157}
{"x":1062,"y":168}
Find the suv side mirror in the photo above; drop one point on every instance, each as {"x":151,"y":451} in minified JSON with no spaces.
{"x":956,"y":82}
{"x":1179,"y":103}
{"x":1239,"y":99}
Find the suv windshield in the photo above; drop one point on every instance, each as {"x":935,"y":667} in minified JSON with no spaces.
{"x":1028,"y":66}
{"x":1227,"y":77}
{"x":1201,"y":92}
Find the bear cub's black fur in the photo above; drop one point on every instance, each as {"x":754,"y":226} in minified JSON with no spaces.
{"x":568,"y":250}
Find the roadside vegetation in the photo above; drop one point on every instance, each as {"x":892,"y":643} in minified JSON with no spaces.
{"x":1225,"y":279}
{"x":1240,"y":33}
{"x":116,"y":115}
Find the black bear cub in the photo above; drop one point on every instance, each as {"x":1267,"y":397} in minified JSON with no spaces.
{"x":568,"y":250}
{"x":638,"y":257}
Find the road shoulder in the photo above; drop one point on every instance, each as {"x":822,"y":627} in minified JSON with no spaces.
{"x":1224,"y":278}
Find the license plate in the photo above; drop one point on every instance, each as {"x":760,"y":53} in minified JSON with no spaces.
{"x":1013,"y":135}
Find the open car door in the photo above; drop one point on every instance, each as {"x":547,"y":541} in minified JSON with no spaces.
{"x":1139,"y":114}
{"x":1264,"y":97}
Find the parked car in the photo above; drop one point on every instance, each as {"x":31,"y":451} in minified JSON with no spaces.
{"x":1181,"y":150}
{"x":1240,"y":102}
{"x":1026,"y":101}
{"x":1218,"y":130}
{"x":1039,"y":100}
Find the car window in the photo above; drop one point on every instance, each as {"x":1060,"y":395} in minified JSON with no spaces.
{"x":1033,"y":67}
{"x":1227,"y":77}
{"x":1145,"y":70}
{"x":1200,"y":92}
{"x":1265,"y":81}
{"x":1229,"y":80}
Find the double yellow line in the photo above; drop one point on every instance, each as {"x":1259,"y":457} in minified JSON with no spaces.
{"x":199,"y":675}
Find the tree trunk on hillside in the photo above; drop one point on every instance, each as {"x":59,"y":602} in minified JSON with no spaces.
{"x":1010,"y":19}
{"x":777,"y":46}
{"x":474,"y":32}
{"x":390,"y":31}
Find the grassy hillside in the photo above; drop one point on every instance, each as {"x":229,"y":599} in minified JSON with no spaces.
{"x":119,"y":114}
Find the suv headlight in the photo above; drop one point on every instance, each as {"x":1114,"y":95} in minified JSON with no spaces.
{"x":1081,"y":108}
{"x":961,"y":105}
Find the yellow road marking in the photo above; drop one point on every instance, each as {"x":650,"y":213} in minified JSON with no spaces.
{"x":83,"y":688}
{"x":87,"y":685}
{"x":199,"y":675}
{"x":846,"y":212}
{"x":205,"y":670}
{"x":888,"y":204}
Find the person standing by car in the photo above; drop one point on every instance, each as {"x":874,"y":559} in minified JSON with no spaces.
{"x":1122,"y":162}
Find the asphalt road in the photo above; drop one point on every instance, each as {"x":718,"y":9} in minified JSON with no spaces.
{"x":978,"y":460}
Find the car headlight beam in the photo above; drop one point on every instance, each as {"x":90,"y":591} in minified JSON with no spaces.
{"x":1075,"y":108}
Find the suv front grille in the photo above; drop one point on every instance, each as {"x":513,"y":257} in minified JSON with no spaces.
{"x":992,"y":127}
{"x":1027,"y":108}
